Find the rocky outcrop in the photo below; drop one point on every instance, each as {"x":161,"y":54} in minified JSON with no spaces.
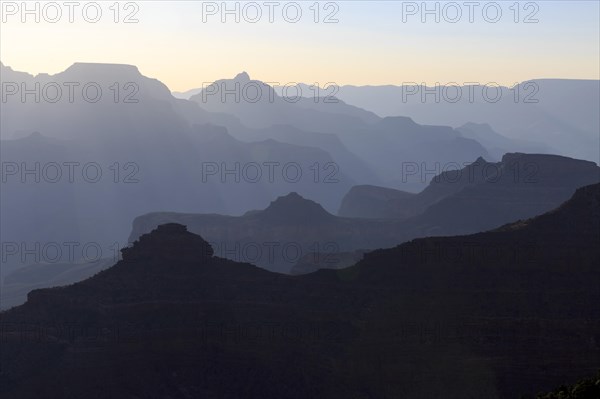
{"x":168,"y":242}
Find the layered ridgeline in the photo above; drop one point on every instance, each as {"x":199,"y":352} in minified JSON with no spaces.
{"x":560,"y":113}
{"x":86,"y":150}
{"x":482,"y":195}
{"x":276,"y":238}
{"x":306,"y":116}
{"x":490,"y":315}
{"x":479,"y":197}
{"x":296,"y":235}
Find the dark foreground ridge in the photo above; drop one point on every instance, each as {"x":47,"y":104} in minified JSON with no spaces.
{"x":492,"y":315}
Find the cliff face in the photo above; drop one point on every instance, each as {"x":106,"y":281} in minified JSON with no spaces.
{"x":373,"y":202}
{"x":520,"y":185}
{"x":489,"y":315}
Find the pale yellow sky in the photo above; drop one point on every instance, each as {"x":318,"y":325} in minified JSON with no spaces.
{"x":369,"y":45}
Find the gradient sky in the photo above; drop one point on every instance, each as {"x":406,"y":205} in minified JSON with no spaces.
{"x":370,"y":45}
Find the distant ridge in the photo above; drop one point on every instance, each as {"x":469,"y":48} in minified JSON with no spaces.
{"x":292,"y":208}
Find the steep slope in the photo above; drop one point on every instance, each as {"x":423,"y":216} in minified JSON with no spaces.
{"x":479,"y":196}
{"x":18,"y":283}
{"x":521,"y":186}
{"x":524,"y":297}
{"x":491,"y":315}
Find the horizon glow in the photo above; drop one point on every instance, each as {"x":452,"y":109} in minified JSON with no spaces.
{"x":184,"y":45}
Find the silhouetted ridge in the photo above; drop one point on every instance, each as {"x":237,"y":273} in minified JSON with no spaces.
{"x":95,"y":68}
{"x":171,"y":241}
{"x":580,"y":214}
{"x":566,"y":235}
{"x":294,"y":208}
{"x":242,"y":77}
{"x":483,"y":307}
{"x":511,"y":157}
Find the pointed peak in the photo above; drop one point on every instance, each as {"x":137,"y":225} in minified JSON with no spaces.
{"x":242,"y":77}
